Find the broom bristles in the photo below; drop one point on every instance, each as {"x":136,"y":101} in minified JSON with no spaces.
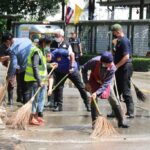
{"x":140,"y":95}
{"x":21,"y":118}
{"x":2,"y":93}
{"x":103,"y":128}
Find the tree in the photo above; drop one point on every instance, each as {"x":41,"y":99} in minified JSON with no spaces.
{"x":37,"y":9}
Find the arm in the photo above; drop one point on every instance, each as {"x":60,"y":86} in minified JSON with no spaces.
{"x":71,"y":55}
{"x":35,"y":63}
{"x":86,"y":67}
{"x":50,"y":85}
{"x":4,"y":58}
{"x":122,"y":61}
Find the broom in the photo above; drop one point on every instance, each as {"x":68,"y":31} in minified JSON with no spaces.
{"x":22,"y":116}
{"x":140,"y":95}
{"x":102,"y":126}
{"x":3,"y":89}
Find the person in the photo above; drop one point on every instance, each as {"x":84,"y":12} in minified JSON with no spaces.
{"x":19,"y":49}
{"x":64,"y":56}
{"x":76,"y":47}
{"x":4,"y":57}
{"x":35,"y":77}
{"x":123,"y":62}
{"x":99,"y":84}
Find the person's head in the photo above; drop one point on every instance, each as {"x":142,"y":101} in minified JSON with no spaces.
{"x":106,"y":59}
{"x":73,"y":34}
{"x":7,"y":39}
{"x":44,"y":41}
{"x":117,"y":30}
{"x":59,"y":35}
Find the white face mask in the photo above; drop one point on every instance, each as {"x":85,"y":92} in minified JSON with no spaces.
{"x":58,"y":40}
{"x":103,"y":65}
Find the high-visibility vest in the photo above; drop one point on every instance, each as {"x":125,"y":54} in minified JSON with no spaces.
{"x":42,"y":67}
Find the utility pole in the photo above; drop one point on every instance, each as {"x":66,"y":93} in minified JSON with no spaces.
{"x":141,"y":8}
{"x":91,"y":9}
{"x":63,"y":10}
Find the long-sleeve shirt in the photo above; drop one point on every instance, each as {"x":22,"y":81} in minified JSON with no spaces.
{"x":105,"y":74}
{"x":19,"y":52}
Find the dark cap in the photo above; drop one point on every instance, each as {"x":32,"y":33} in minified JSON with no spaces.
{"x":106,"y":57}
{"x":6,"y":36}
{"x":45,"y":38}
{"x":116,"y":27}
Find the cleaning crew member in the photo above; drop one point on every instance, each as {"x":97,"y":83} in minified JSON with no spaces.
{"x":35,"y":75}
{"x":64,"y":56}
{"x":99,"y":84}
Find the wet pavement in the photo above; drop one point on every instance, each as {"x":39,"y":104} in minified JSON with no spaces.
{"x":71,"y":129}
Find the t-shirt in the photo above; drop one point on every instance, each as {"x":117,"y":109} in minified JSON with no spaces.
{"x":123,"y":47}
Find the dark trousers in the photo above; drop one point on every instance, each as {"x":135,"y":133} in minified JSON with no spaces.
{"x":76,"y":79}
{"x":26,"y":88}
{"x":123,"y":79}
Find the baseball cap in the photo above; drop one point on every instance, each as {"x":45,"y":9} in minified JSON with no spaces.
{"x":60,"y":32}
{"x":116,"y":27}
{"x":6,"y":36}
{"x":106,"y":57}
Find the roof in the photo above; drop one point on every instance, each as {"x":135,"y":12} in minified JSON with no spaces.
{"x":122,"y":2}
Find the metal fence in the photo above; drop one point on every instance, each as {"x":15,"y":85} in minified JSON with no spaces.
{"x":96,"y":36}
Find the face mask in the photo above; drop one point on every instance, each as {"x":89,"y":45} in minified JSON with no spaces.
{"x":47,"y":49}
{"x":58,"y":40}
{"x":104,"y":66}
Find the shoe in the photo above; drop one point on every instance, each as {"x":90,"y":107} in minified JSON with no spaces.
{"x":122,"y":125}
{"x":112,"y":115}
{"x":40,"y":119}
{"x":130,"y":116}
{"x":34,"y":121}
{"x":40,"y":114}
{"x":58,"y":108}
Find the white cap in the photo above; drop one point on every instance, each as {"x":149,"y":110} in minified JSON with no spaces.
{"x":60,"y":32}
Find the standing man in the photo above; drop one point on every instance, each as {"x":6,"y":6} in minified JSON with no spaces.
{"x":123,"y":62}
{"x":19,"y":51}
{"x":64,"y":56}
{"x":99,"y":84}
{"x":76,"y":47}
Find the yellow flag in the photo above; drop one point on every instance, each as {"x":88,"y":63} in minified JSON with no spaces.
{"x":77,"y":14}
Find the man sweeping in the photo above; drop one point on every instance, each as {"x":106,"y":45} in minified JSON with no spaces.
{"x":99,"y":84}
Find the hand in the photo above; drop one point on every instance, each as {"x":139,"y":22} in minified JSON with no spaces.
{"x":71,"y":70}
{"x":49,"y":92}
{"x":54,"y":65}
{"x":41,"y":84}
{"x":93,"y":96}
{"x":81,"y":54}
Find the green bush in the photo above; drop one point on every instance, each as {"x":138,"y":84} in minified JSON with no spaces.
{"x":141,"y":64}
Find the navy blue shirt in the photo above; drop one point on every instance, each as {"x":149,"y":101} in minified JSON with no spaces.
{"x":123,"y":47}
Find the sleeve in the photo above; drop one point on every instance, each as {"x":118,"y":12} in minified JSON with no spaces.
{"x":13,"y":64}
{"x":125,"y":46}
{"x":106,"y":82}
{"x":70,"y":50}
{"x":86,"y":67}
{"x":35,"y":63}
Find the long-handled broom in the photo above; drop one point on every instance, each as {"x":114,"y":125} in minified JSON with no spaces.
{"x":21,"y":119}
{"x":140,"y":95}
{"x":102,"y":126}
{"x":3,"y":89}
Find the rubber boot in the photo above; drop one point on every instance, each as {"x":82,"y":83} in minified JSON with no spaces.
{"x":118,"y":113}
{"x":10,"y":96}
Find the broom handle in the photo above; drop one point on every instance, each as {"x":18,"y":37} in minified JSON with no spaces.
{"x":6,"y":84}
{"x":60,"y":82}
{"x":96,"y":105}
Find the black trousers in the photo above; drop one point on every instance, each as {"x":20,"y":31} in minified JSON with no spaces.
{"x":123,"y":79}
{"x":76,"y":79}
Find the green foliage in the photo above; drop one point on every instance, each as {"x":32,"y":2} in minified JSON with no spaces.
{"x":141,"y":64}
{"x":38,"y":9}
